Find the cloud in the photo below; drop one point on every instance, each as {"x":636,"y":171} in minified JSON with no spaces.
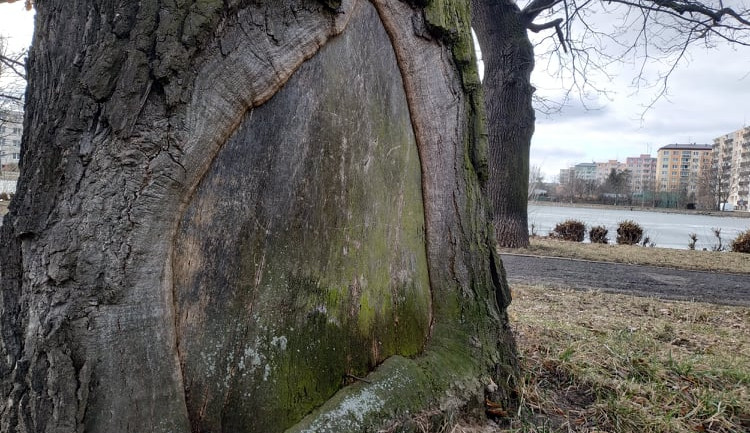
{"x":707,"y":97}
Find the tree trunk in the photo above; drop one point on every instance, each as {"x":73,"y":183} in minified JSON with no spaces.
{"x":508,"y":61}
{"x":228,"y":212}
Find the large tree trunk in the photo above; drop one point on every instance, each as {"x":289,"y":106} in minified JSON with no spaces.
{"x":229,"y":211}
{"x":508,"y":57}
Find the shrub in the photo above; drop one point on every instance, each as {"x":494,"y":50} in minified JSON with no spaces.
{"x":598,"y":235}
{"x":4,"y":196}
{"x":693,"y":240}
{"x":719,"y":246}
{"x":629,"y":233}
{"x":741,"y":244}
{"x":569,"y":230}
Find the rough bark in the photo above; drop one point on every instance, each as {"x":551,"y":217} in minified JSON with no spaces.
{"x":508,"y":61}
{"x":228,"y":210}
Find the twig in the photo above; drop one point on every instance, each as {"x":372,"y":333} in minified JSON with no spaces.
{"x":360,"y":379}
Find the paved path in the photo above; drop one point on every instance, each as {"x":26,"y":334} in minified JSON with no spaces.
{"x":667,"y":283}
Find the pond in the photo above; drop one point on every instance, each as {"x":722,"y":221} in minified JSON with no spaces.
{"x":666,"y":230}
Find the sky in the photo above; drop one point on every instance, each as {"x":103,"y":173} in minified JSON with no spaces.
{"x":708,"y":96}
{"x":17,"y":24}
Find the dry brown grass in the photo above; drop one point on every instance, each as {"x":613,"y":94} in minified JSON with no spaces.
{"x":681,"y":259}
{"x":596,"y":362}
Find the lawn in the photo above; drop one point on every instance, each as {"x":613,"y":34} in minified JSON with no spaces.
{"x":594,"y":362}
{"x":597,"y":362}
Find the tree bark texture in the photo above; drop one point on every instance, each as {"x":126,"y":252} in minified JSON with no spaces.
{"x":508,"y":61}
{"x":229,"y":211}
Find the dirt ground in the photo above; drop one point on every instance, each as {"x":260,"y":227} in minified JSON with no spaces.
{"x":665,"y":283}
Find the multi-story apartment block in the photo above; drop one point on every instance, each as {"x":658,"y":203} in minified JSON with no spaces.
{"x":680,"y":167}
{"x":603,"y":169}
{"x":11,"y":127}
{"x":564,"y":177}
{"x":642,"y":173}
{"x":585,"y":171}
{"x":731,"y":165}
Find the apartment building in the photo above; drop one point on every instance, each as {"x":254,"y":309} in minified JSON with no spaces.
{"x":603,"y":169}
{"x":585,"y":171}
{"x":564,"y":177}
{"x":680,"y":167}
{"x":642,"y":172}
{"x":11,"y":127}
{"x":731,"y":162}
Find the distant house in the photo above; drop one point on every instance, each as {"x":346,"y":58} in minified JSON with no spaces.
{"x":11,"y":129}
{"x":7,"y":186}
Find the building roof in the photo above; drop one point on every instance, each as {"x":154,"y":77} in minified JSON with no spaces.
{"x":687,"y":147}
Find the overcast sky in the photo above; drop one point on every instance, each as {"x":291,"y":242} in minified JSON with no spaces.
{"x":709,"y":96}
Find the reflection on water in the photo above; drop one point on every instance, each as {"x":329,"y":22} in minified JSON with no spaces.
{"x":665,"y":229}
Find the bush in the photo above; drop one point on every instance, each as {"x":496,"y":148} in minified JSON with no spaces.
{"x":629,"y":233}
{"x":598,"y":235}
{"x":569,"y":230}
{"x":693,"y":241}
{"x":741,"y":244}
{"x":4,"y":196}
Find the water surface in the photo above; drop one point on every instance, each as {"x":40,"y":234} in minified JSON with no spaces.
{"x":666,"y":230}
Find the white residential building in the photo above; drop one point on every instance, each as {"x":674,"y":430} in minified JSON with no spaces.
{"x":731,"y":160}
{"x":11,"y":128}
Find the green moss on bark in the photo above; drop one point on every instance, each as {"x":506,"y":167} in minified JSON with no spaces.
{"x":450,"y":20}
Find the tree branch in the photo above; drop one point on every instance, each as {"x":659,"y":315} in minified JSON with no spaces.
{"x":11,"y":97}
{"x":536,"y":28}
{"x":533,"y":9}
{"x":14,"y":65}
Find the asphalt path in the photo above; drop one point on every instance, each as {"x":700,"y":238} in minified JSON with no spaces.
{"x":666,"y":283}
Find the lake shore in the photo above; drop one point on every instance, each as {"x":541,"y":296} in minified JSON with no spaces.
{"x":734,"y":214}
{"x":711,"y":261}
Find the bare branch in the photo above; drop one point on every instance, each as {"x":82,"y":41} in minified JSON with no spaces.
{"x":14,"y":65}
{"x":533,"y":9}
{"x":536,"y":28}
{"x":11,"y":97}
{"x":646,"y":33}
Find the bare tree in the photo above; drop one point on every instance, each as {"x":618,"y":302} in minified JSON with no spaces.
{"x":536,"y":181}
{"x":585,"y":38}
{"x":12,"y":80}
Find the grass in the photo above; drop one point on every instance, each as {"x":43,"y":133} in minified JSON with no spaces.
{"x":681,"y":259}
{"x":594,"y":362}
